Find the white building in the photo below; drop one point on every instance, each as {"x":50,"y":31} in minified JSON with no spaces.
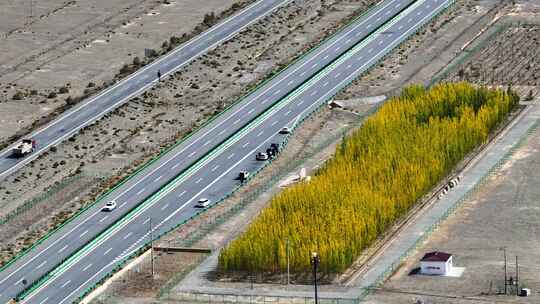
{"x":436,"y":263}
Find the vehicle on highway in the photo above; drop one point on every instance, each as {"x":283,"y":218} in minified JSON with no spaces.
{"x":285,"y":130}
{"x":110,"y":206}
{"x":262,"y":156}
{"x":26,"y":146}
{"x":203,"y":203}
{"x":243,"y":175}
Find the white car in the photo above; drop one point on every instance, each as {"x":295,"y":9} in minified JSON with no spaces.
{"x":285,"y":130}
{"x":110,"y":206}
{"x":203,"y":203}
{"x":262,"y":156}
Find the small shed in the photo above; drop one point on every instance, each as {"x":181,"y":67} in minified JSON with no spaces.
{"x":436,"y":263}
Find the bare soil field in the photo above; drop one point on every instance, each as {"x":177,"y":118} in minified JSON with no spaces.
{"x":504,"y":213}
{"x":113,"y":147}
{"x":72,"y":48}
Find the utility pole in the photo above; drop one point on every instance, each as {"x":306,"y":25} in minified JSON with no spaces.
{"x":315,"y":262}
{"x":517,"y":276}
{"x":505,"y":273}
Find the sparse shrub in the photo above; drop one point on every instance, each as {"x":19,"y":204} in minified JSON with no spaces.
{"x":63,"y":90}
{"x":209,"y":19}
{"x":33,"y":92}
{"x":54,"y":149}
{"x":18,"y":95}
{"x":52,"y":95}
{"x":136,"y":61}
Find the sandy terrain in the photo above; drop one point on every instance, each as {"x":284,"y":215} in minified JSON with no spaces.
{"x":73,"y":43}
{"x":113,"y":147}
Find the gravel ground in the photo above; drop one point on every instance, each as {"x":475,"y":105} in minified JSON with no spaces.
{"x":73,"y":43}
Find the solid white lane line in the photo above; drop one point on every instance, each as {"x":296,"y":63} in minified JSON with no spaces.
{"x":140,"y":191}
{"x":66,"y":283}
{"x":107,"y":251}
{"x":44,"y":300}
{"x":104,"y":218}
{"x":128,"y":235}
{"x":82,"y":234}
{"x":63,"y":248}
{"x":40,"y":265}
{"x":87,"y":266}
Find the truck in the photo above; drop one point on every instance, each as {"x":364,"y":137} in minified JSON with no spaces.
{"x":26,"y":146}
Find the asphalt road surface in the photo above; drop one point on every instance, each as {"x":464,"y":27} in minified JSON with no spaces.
{"x":95,"y":107}
{"x":62,"y":244}
{"x":214,"y":175}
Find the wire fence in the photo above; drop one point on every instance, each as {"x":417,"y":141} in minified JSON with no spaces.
{"x":29,"y":204}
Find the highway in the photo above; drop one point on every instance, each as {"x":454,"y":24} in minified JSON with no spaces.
{"x":92,"y":109}
{"x":84,"y":228}
{"x":213,"y":175}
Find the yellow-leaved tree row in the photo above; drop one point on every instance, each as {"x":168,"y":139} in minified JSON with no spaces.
{"x":376,"y":176}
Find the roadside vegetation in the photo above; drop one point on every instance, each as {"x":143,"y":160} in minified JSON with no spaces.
{"x":376,"y":176}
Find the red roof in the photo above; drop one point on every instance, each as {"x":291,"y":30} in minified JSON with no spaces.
{"x":436,"y":256}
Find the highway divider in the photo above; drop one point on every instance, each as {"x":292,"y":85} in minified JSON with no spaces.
{"x":224,"y":145}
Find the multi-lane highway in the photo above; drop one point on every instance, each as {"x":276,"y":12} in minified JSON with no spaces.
{"x":97,"y":106}
{"x":214,"y":174}
{"x":84,"y":228}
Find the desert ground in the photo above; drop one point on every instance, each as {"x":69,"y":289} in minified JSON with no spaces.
{"x":105,"y":152}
